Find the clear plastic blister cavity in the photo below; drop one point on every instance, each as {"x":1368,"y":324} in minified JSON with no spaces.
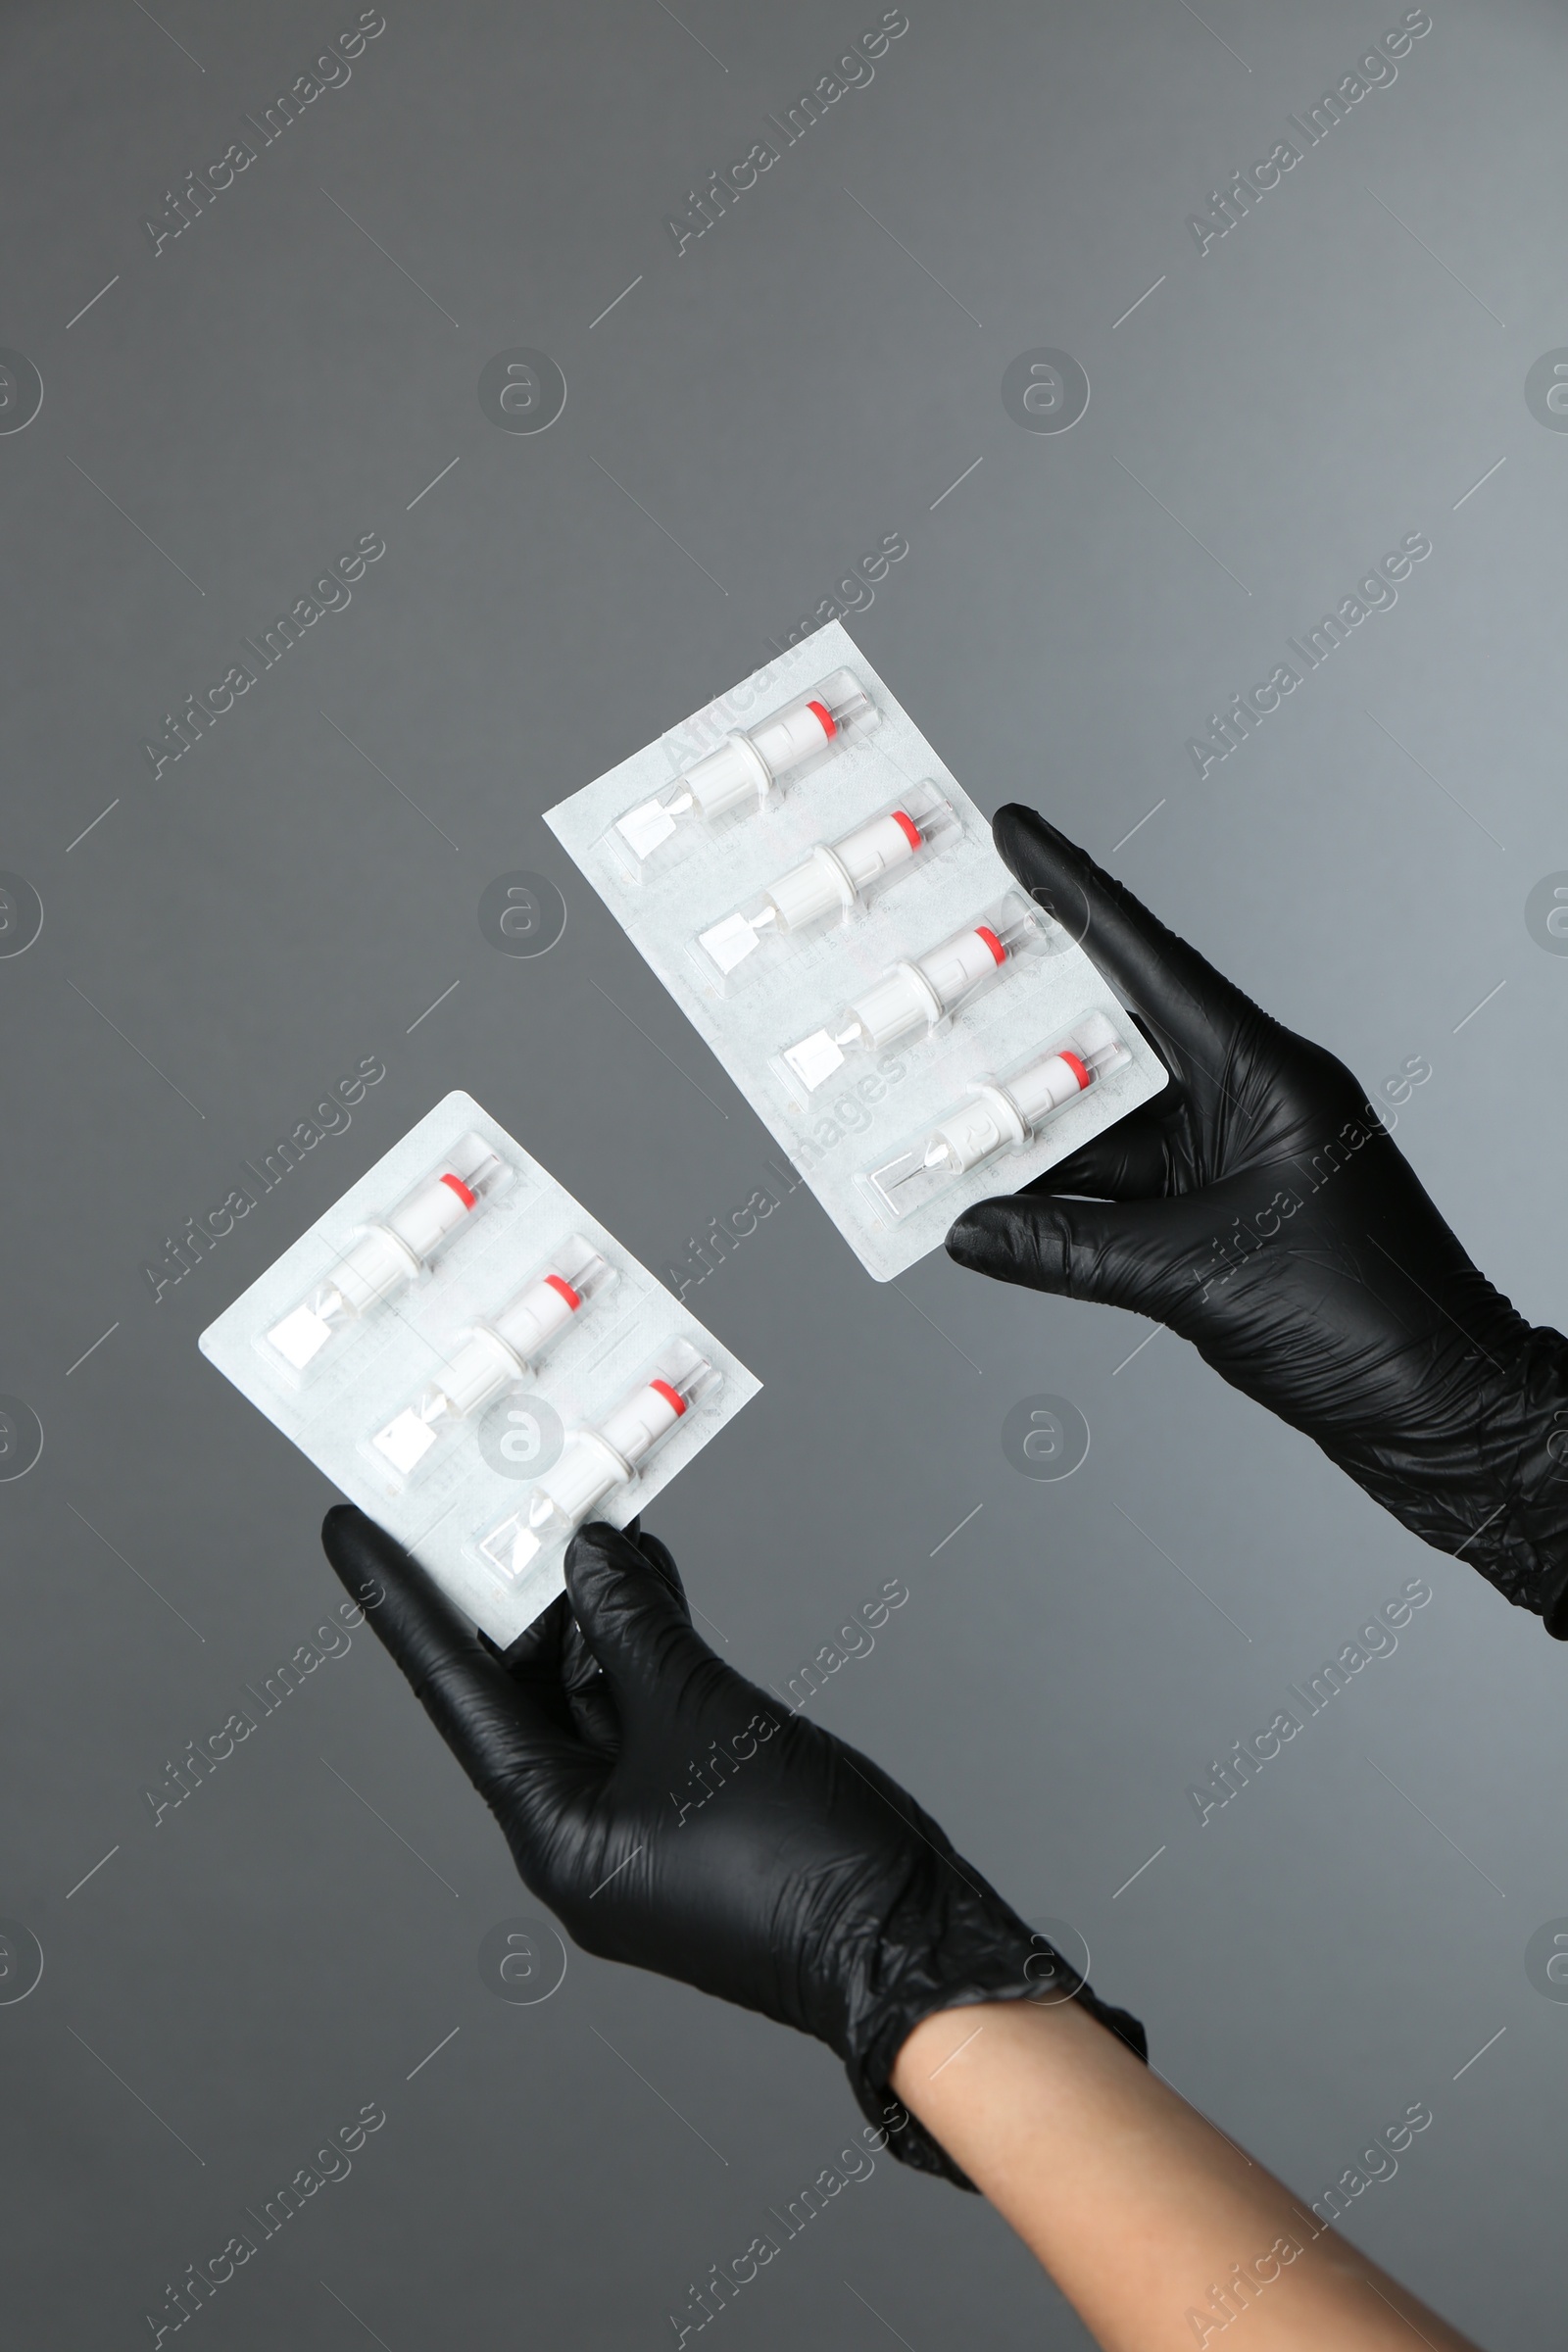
{"x":388,"y":1253}
{"x":488,"y":1356}
{"x":839,"y":879}
{"x":749,"y":763}
{"x":457,"y":1343}
{"x":915,"y":998}
{"x":830,"y":913}
{"x":996,"y":1116}
{"x":601,"y":1456}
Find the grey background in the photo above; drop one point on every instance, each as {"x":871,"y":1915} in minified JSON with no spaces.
{"x":233,"y":1983}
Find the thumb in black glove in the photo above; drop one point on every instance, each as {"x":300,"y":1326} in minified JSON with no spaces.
{"x":1259,"y":1208}
{"x":676,"y":1817}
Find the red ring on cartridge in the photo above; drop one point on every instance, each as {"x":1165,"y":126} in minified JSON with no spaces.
{"x":830,"y":725}
{"x":910,"y":829}
{"x":984,"y":931}
{"x":560,"y":1284}
{"x":468,"y":1199}
{"x":1078,"y":1068}
{"x":672,"y":1397}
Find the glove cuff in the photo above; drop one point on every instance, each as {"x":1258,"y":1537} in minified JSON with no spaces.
{"x":988,"y":1955}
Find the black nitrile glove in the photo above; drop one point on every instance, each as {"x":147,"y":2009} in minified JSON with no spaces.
{"x":1258,"y":1208}
{"x":678,"y":1818}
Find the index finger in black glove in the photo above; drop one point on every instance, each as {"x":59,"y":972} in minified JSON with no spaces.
{"x":1176,"y":992}
{"x":1234,"y":1098}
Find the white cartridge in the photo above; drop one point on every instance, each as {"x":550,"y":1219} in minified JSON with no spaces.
{"x":914,"y":997}
{"x":837,"y":877}
{"x":599,"y":1459}
{"x":390,"y":1255}
{"x":505,"y":1348}
{"x":747,"y":764}
{"x":1001,"y":1114}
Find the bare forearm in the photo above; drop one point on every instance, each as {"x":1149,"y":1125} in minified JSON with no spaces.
{"x":1154,"y":2224}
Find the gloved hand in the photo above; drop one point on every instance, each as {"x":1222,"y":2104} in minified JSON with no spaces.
{"x":1258,"y":1207}
{"x":678,"y":1818}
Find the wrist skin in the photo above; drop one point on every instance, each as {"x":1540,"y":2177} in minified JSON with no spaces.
{"x":952,"y":1945}
{"x":1137,"y":2206}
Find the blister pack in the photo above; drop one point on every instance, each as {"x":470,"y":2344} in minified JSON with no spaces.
{"x":477,"y":1364}
{"x":823,"y":900}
